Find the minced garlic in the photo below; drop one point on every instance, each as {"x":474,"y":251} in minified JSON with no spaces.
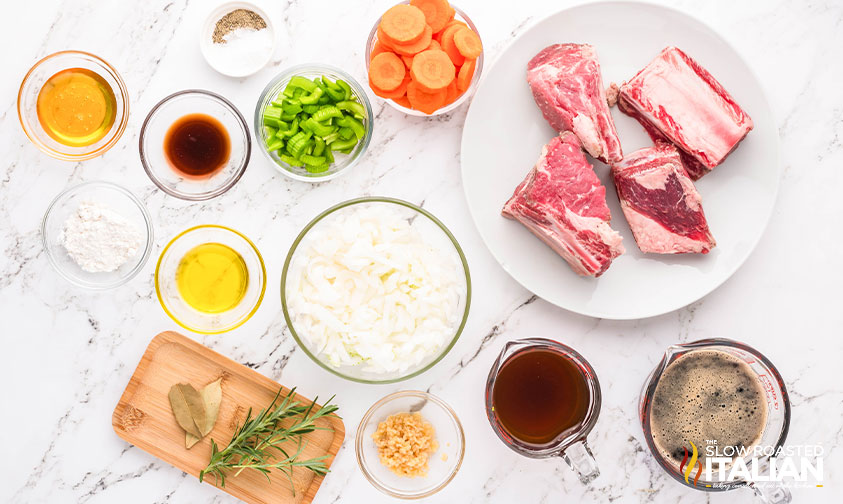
{"x":405,"y":441}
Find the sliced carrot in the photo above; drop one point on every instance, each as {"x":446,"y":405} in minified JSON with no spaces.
{"x":465,"y":75}
{"x":434,"y":45}
{"x":408,"y":61}
{"x":398,"y":92}
{"x":432,"y":70}
{"x":449,"y":46}
{"x":424,"y":101}
{"x":417,"y":46}
{"x":387,"y":71}
{"x":452,"y":92}
{"x":403,"y":24}
{"x":452,"y":22}
{"x":436,"y":12}
{"x":403,"y":101}
{"x":468,"y":43}
{"x":384,"y":39}
{"x":377,"y":49}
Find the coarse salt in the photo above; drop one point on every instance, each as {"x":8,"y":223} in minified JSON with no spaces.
{"x":244,"y":51}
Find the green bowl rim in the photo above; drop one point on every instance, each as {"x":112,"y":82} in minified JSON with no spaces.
{"x":375,"y":199}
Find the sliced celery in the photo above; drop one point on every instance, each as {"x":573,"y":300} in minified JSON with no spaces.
{"x":302,"y":82}
{"x":352,"y":106}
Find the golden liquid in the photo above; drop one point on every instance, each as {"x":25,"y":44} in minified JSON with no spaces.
{"x":212,"y":278}
{"x":76,"y":107}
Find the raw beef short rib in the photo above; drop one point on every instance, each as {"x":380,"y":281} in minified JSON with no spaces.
{"x":676,"y":99}
{"x":660,"y":202}
{"x":568,"y":88}
{"x":563,"y":203}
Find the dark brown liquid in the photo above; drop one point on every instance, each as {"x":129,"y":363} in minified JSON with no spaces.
{"x":539,"y":395}
{"x":703,"y":396}
{"x":197,"y":145}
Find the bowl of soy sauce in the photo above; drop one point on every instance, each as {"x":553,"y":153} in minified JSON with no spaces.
{"x":195,"y":145}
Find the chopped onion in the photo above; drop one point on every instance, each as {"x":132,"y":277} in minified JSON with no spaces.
{"x":366,"y":289}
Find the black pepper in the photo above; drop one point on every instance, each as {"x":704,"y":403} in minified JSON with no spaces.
{"x":238,"y":18}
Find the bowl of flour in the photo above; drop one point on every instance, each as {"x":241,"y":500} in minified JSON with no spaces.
{"x":97,"y":235}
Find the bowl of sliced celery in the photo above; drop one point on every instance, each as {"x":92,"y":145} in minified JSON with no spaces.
{"x":313,"y":122}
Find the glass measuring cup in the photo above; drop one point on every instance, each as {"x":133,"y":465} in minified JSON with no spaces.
{"x":775,"y":427}
{"x":571,"y":444}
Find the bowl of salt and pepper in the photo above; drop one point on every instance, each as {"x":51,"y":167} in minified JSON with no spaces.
{"x":237,"y":39}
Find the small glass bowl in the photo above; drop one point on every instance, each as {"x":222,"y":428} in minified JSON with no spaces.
{"x":173,"y":108}
{"x":442,"y":464}
{"x":28,"y":104}
{"x":343,"y":161}
{"x":459,"y":16}
{"x":435,"y":234}
{"x":118,"y":199}
{"x":187,"y":316}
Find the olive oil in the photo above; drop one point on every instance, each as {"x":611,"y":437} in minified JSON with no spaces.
{"x":212,"y":278}
{"x":76,"y":107}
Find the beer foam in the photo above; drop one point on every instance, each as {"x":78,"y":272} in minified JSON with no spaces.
{"x":709,"y":398}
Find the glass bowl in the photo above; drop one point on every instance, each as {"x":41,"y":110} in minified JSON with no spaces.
{"x":184,"y":314}
{"x":173,"y":108}
{"x":460,"y":16}
{"x":443,"y":464}
{"x":28,"y":100}
{"x":118,"y":199}
{"x":432,"y":231}
{"x":343,"y":161}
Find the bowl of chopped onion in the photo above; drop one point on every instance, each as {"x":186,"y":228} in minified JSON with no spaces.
{"x":376,"y":290}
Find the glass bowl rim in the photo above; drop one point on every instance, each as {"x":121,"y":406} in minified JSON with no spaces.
{"x":300,"y":69}
{"x":219,"y":190}
{"x":375,"y":199}
{"x":358,"y":442}
{"x":150,"y":233}
{"x":475,"y":79}
{"x":117,"y":132}
{"x":191,"y":229}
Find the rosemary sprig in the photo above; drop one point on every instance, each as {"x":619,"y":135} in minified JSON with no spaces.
{"x":257,"y":443}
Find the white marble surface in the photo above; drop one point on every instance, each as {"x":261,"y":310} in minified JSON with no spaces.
{"x":67,"y":353}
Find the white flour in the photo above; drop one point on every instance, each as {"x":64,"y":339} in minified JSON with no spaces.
{"x":98,"y":238}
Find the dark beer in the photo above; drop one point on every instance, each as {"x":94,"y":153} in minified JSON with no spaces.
{"x":708,"y":398}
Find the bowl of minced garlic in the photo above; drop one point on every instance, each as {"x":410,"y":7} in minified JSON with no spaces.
{"x":405,"y":441}
{"x":410,"y":444}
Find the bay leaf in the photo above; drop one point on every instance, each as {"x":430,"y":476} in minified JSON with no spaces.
{"x":211,"y":397}
{"x":188,"y":408}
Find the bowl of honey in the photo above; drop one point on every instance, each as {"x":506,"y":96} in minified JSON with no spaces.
{"x":195,"y":145}
{"x":210,"y":279}
{"x":73,"y":105}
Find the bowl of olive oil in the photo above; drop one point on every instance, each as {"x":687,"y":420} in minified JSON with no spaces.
{"x":73,"y":105}
{"x":210,"y":279}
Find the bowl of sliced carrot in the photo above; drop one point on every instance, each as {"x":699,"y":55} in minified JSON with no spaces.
{"x":424,"y":57}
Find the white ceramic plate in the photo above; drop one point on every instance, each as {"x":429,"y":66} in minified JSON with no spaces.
{"x":504,"y":133}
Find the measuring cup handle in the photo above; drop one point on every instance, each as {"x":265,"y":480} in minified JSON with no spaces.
{"x":579,"y":457}
{"x":772,"y":494}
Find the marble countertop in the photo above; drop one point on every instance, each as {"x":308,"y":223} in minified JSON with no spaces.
{"x":68,"y":353}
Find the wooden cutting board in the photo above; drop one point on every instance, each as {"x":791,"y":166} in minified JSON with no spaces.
{"x":144,"y":418}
